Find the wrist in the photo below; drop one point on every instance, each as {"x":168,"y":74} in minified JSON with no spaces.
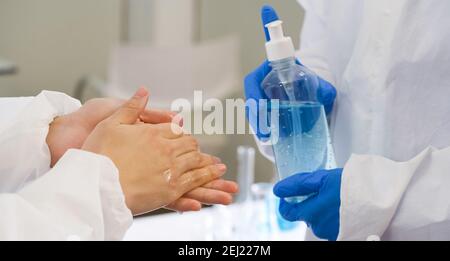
{"x":64,"y":133}
{"x":52,"y":140}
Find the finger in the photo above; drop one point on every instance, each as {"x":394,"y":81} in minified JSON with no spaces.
{"x":253,"y":82}
{"x":183,"y":145}
{"x":326,"y":94}
{"x":298,"y":211}
{"x":268,"y":15}
{"x":199,"y":177}
{"x":157,"y":116}
{"x":302,"y":184}
{"x":170,"y":130}
{"x":193,"y":160}
{"x":130,"y":111}
{"x":97,"y":110}
{"x":223,"y":185}
{"x":255,"y":95}
{"x":184,"y":205}
{"x":210,"y":196}
{"x":178,"y":119}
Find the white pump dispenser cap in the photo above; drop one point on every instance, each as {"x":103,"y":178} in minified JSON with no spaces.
{"x":279,"y":47}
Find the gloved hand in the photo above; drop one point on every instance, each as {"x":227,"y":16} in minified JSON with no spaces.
{"x":326,"y":93}
{"x":320,"y":211}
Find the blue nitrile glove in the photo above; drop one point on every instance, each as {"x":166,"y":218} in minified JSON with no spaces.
{"x":321,"y":210}
{"x":326,"y":93}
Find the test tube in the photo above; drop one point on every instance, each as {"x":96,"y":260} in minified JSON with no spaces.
{"x":246,"y":172}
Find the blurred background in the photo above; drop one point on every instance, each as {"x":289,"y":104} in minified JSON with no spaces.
{"x":107,"y":48}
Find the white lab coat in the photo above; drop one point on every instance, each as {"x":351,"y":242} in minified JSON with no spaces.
{"x":390,"y":62}
{"x":78,"y":199}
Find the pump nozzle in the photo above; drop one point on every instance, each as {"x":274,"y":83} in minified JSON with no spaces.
{"x":279,"y":47}
{"x":275,"y":30}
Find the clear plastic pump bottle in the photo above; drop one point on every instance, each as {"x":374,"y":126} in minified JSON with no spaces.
{"x":302,"y":142}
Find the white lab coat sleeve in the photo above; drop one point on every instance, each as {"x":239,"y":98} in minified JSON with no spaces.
{"x":24,"y":125}
{"x":391,"y":200}
{"x":79,"y":199}
{"x":314,"y":39}
{"x":10,"y":108}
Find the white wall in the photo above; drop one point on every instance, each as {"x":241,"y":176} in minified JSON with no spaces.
{"x":139,"y":21}
{"x":216,"y":18}
{"x":55,"y":42}
{"x":242,"y":17}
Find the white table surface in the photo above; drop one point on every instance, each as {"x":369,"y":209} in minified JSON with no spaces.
{"x":200,"y":226}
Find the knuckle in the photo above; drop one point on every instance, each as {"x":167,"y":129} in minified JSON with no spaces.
{"x":213,"y":171}
{"x":169,"y":149}
{"x":211,"y":159}
{"x":172,"y":178}
{"x":195,"y":143}
{"x":198,"y":175}
{"x":174,"y":163}
{"x":172,"y":184}
{"x":197,"y":158}
{"x":132,"y":105}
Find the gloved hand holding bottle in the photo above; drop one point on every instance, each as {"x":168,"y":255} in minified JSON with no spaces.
{"x":301,"y":126}
{"x":320,"y":211}
{"x":298,"y":101}
{"x":380,"y":193}
{"x":326,"y":92}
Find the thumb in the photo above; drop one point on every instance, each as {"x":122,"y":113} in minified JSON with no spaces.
{"x":268,"y":15}
{"x":326,"y":94}
{"x":302,"y":184}
{"x":130,"y":111}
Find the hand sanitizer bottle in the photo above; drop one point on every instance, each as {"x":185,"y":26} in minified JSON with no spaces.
{"x":301,"y":140}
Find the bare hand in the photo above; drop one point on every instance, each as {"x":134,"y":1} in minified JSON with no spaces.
{"x":156,"y":165}
{"x":70,"y":132}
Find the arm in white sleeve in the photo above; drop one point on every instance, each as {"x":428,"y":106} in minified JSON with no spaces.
{"x":396,"y":200}
{"x":314,"y":40}
{"x":79,"y":199}
{"x":10,"y":107}
{"x":24,"y":125}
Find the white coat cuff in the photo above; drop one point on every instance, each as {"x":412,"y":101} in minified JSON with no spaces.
{"x":371,"y":190}
{"x":26,"y":135}
{"x":83,"y":194}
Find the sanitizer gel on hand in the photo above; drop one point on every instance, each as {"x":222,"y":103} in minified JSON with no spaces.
{"x":301,"y":141}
